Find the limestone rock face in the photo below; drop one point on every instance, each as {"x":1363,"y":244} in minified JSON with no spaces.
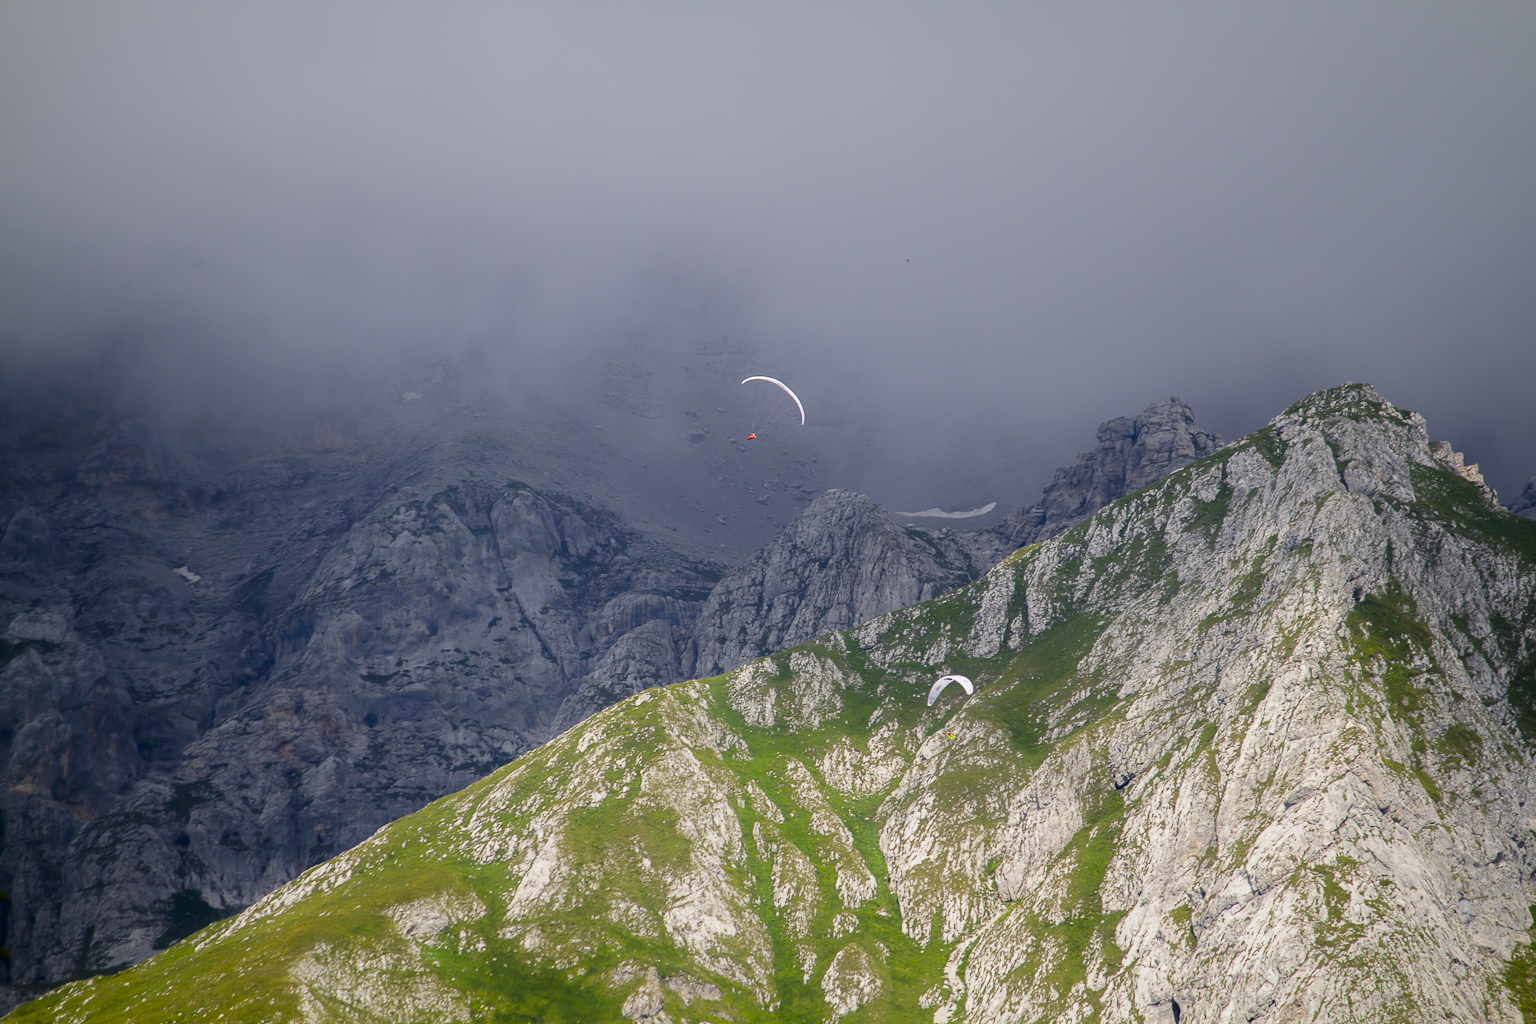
{"x":218,"y":670}
{"x":842,"y":561}
{"x":1256,"y":742}
{"x":846,"y":560}
{"x":1525,"y":502}
{"x":1133,"y":451}
{"x":1456,"y":463}
{"x":209,"y":683}
{"x":645,"y":656}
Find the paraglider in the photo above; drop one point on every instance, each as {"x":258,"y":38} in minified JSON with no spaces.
{"x":771,"y":406}
{"x":943,"y":681}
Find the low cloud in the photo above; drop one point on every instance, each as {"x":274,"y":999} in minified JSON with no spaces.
{"x":969,"y":236}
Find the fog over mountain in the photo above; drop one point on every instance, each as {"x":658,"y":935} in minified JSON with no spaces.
{"x":967,"y":235}
{"x":371,"y":402}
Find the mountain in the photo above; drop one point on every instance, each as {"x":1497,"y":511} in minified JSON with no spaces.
{"x":1133,"y":451}
{"x":1252,"y":743}
{"x":842,"y":561}
{"x":845,"y":560}
{"x":1525,"y":503}
{"x":183,"y":739}
{"x":225,"y":659}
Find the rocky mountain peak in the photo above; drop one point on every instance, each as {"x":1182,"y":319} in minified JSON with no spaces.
{"x":1525,"y":502}
{"x":845,"y":559}
{"x":1133,"y":451}
{"x":272,"y":651}
{"x":1137,"y":450}
{"x":208,"y":686}
{"x":1251,"y":743}
{"x":842,"y":561}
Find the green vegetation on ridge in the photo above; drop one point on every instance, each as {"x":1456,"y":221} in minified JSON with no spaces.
{"x":767,"y":754}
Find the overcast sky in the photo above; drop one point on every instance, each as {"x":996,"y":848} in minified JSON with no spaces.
{"x":976,"y":225}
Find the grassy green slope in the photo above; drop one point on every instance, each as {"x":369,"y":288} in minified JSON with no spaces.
{"x":748,"y":836}
{"x":251,"y":967}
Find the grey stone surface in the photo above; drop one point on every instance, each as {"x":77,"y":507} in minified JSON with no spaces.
{"x":1525,"y":502}
{"x":1257,"y":741}
{"x":1133,"y":451}
{"x":221,"y":666}
{"x":846,"y":560}
{"x":213,"y":678}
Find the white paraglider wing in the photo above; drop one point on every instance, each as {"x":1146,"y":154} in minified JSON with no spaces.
{"x":943,"y":681}
{"x":774,"y":380}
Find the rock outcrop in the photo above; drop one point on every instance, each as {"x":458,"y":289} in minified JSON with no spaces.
{"x":1253,"y":743}
{"x":1133,"y":451}
{"x":1525,"y":502}
{"x":845,"y":559}
{"x":212,"y":681}
{"x":1457,"y":463}
{"x":842,"y":561}
{"x":217,"y":670}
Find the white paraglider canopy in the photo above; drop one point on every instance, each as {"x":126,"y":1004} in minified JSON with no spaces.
{"x":943,"y":681}
{"x":774,"y":380}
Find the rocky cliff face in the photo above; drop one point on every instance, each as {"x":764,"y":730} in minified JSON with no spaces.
{"x":843,"y":561}
{"x":1253,"y":743}
{"x":846,"y":560}
{"x":212,"y":680}
{"x":1132,"y":453}
{"x":1525,"y":502}
{"x":218,"y":669}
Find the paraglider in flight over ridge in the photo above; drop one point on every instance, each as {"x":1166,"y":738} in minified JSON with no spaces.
{"x":943,"y":681}
{"x":774,"y":380}
{"x":770,"y":407}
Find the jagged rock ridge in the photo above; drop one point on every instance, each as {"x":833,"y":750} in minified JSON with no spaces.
{"x":219,"y":670}
{"x":243,"y":667}
{"x":1525,"y":502}
{"x":846,"y":560}
{"x":1255,"y":742}
{"x":199,"y":706}
{"x":1133,"y":452}
{"x":843,"y":561}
